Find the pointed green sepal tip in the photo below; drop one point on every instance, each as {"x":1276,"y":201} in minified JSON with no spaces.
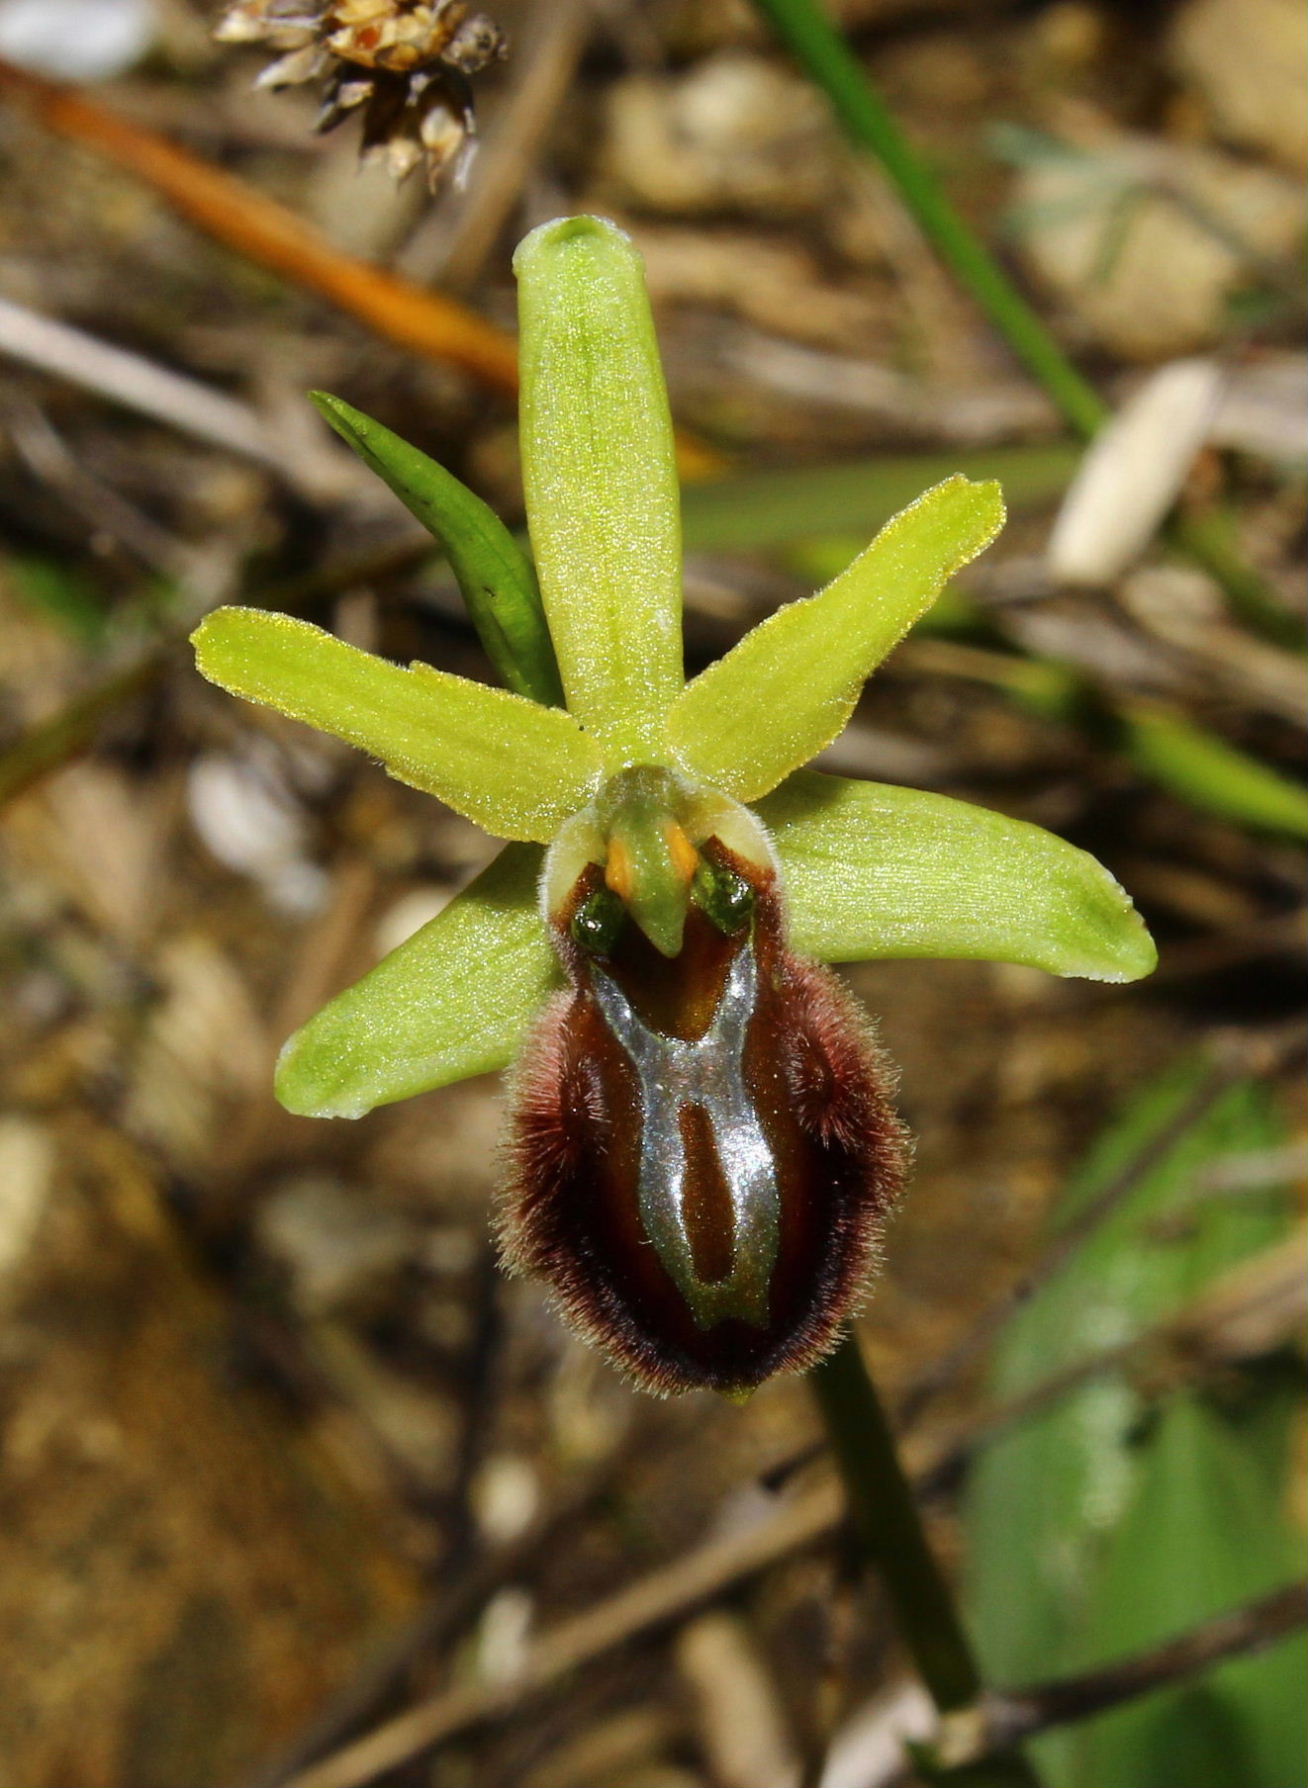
{"x":496,"y":577}
{"x":877,"y":871}
{"x":508,"y":764}
{"x":455,"y":999}
{"x":600,"y":479}
{"x":787,"y":689}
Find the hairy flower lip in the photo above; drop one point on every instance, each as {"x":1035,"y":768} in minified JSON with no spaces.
{"x":703,"y":1153}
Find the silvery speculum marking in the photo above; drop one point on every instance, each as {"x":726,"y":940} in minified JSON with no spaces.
{"x":709,"y":1072}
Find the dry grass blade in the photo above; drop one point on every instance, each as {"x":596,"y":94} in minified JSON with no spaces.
{"x":130,"y":379}
{"x":652,"y":1603}
{"x":165,"y":396}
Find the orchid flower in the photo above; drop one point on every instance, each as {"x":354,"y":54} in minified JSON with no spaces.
{"x":702,"y":1143}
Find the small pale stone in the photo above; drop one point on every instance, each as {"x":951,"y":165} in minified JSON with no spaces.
{"x":1146,"y":242}
{"x":735,"y":133}
{"x":506,"y":1496}
{"x":76,"y":40}
{"x":1133,"y":473}
{"x":1249,"y":60}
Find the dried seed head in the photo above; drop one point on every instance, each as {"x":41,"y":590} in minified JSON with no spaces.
{"x":405,"y":65}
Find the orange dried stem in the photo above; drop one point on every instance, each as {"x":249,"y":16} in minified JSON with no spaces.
{"x":234,"y":213}
{"x":226,"y":208}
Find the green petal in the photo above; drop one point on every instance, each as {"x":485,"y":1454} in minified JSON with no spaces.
{"x":599,"y":471}
{"x":454,"y":1000}
{"x":494,"y":574}
{"x":512,"y":766}
{"x":790,"y":685}
{"x":878,"y":871}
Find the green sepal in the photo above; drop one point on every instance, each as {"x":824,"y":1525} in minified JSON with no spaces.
{"x":496,"y":577}
{"x":513,"y":767}
{"x":873,"y":871}
{"x":455,"y":999}
{"x":600,"y":477}
{"x":787,"y":689}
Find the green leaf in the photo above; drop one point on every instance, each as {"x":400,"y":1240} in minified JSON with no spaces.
{"x":455,"y":999}
{"x":1050,"y":1504}
{"x":600,"y":478}
{"x":1200,"y":1536}
{"x":788,"y":687}
{"x":873,"y":870}
{"x":494,"y":574}
{"x":512,"y":766}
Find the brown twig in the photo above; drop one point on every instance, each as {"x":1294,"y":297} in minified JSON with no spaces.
{"x":648,"y":1606}
{"x":438,"y":1626}
{"x":1242,"y":1313}
{"x":1008,"y":1718}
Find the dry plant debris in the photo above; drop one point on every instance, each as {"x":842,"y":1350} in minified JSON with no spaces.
{"x":266,"y":1434}
{"x":405,"y":66}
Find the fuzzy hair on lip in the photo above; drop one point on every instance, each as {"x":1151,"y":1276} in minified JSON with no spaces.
{"x":571,"y":1213}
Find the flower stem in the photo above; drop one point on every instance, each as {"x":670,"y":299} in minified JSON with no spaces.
{"x":891,"y":1537}
{"x":823,"y":53}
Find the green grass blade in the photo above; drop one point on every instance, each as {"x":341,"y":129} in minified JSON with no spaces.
{"x":820,"y":49}
{"x":496,"y":577}
{"x":787,"y":689}
{"x":817,"y":45}
{"x":1204,"y":770}
{"x":508,"y":764}
{"x":64,"y":595}
{"x":1201,"y":1535}
{"x":600,"y":477}
{"x":455,"y":999}
{"x":754,"y":511}
{"x":878,"y":871}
